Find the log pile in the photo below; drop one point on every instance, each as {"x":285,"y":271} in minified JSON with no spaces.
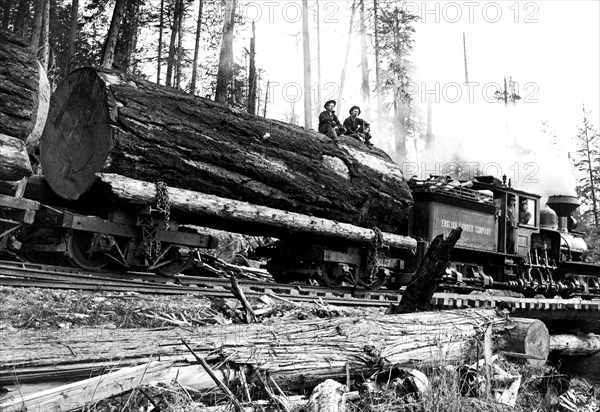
{"x":102,"y":121}
{"x":24,"y":97}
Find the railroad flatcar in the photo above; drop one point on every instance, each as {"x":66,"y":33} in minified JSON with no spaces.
{"x":508,"y":241}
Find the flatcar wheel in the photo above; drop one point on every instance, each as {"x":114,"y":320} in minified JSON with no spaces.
{"x":176,"y":263}
{"x":331,"y":276}
{"x":80,"y":251}
{"x":36,"y":244}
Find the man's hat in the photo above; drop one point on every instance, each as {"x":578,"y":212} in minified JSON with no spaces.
{"x":329,"y":101}
{"x":354,"y":107}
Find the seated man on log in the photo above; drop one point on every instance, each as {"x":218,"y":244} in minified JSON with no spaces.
{"x":356,"y":127}
{"x":329,"y":123}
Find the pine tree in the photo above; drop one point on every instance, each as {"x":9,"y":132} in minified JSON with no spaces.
{"x":588,"y":164}
{"x":395,"y":28}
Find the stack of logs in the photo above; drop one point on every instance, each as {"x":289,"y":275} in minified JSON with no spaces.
{"x":24,"y":99}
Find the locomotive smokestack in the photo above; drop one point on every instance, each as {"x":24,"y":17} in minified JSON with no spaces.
{"x":564,"y":206}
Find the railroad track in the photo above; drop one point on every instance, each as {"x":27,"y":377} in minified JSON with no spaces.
{"x":56,"y":277}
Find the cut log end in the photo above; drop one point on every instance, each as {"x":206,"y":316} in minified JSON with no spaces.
{"x":76,"y":142}
{"x":529,"y":337}
{"x":14,"y":160}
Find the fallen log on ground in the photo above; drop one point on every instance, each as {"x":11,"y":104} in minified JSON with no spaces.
{"x":296,"y":354}
{"x":102,"y":121}
{"x":575,"y":345}
{"x":78,"y":394}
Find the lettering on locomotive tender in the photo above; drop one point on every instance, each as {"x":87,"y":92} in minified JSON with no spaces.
{"x":466,"y":227}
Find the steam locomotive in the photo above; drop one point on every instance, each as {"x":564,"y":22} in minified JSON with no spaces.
{"x":539,"y":253}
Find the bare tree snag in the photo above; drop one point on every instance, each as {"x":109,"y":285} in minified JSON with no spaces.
{"x":423,"y":284}
{"x":104,"y":121}
{"x":529,"y":337}
{"x":24,"y":91}
{"x":575,"y":345}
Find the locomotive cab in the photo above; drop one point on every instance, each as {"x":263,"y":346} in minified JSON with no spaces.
{"x":517,"y":215}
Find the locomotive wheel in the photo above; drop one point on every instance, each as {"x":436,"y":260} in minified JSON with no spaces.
{"x":176,"y":264}
{"x":79,"y":245}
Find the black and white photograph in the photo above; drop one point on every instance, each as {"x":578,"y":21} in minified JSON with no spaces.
{"x":299,"y":205}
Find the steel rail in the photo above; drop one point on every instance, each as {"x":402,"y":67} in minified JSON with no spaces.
{"x":19,"y":274}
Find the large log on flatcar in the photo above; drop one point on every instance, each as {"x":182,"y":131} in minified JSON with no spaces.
{"x":24,"y":97}
{"x":105,"y":121}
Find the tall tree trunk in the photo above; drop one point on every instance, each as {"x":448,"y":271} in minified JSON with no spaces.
{"x":307,"y":80}
{"x":72,"y":35}
{"x":252,"y":74}
{"x":399,"y":104}
{"x":364,"y":63}
{"x":174,"y":33}
{"x":591,"y":173}
{"x":134,"y":39}
{"x":37,"y":28}
{"x":343,"y":80}
{"x":197,"y":48}
{"x":266,"y":98}
{"x":160,"y":36}
{"x":319,"y":79}
{"x":377,"y":81}
{"x":22,"y":12}
{"x":225,"y":73}
{"x":179,"y":61}
{"x":6,"y":16}
{"x":45,"y":58}
{"x":126,"y":46}
{"x":108,"y":54}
